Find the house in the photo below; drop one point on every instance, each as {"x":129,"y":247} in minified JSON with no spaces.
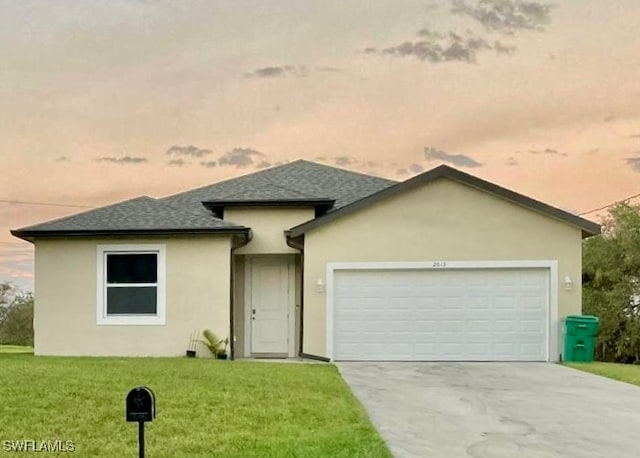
{"x":312,"y":260}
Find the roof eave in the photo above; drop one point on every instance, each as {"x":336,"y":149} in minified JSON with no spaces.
{"x":209,"y":204}
{"x":31,"y":235}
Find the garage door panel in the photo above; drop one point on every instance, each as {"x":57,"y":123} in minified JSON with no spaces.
{"x":478,"y":349}
{"x":447,"y":315}
{"x":478,"y":303}
{"x":478,"y":325}
{"x":533,"y":326}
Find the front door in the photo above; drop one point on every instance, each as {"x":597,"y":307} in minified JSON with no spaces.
{"x":270,"y":305}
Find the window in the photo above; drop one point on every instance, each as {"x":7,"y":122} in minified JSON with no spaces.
{"x":131,"y":284}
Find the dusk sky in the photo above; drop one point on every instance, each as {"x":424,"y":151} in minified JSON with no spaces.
{"x":103,"y":100}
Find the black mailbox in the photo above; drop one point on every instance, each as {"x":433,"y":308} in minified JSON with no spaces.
{"x":141,"y":404}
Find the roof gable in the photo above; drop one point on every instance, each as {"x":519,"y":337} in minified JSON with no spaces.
{"x":588,"y":228}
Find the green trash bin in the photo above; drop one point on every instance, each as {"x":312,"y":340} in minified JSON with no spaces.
{"x":579,"y":332}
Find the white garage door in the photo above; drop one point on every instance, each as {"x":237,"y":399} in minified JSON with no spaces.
{"x":441,"y":315}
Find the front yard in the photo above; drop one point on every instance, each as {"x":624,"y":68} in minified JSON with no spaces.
{"x":205,"y":408}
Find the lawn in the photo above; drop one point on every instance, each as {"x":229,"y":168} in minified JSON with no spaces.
{"x":205,"y":408}
{"x":629,"y":373}
{"x":15,"y":349}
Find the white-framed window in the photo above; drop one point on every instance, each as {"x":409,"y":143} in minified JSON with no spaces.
{"x":131,"y":284}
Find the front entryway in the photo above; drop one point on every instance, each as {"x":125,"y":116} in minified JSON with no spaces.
{"x":269,"y":306}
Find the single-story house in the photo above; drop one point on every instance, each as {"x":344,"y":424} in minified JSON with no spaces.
{"x":304,"y":259}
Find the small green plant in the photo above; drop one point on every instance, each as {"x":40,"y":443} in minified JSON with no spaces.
{"x":217,"y":347}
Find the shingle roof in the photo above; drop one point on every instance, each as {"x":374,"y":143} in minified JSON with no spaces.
{"x":135,"y":216}
{"x":292,"y":181}
{"x":295,"y":181}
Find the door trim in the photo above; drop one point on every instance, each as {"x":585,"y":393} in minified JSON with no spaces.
{"x":289,"y":260}
{"x":552,"y":300}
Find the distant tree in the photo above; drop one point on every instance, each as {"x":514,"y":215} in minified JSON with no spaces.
{"x":611,"y":284}
{"x":7,"y":295}
{"x":16,"y":316}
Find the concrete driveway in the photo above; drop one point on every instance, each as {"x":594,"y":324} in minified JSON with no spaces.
{"x":508,"y":410}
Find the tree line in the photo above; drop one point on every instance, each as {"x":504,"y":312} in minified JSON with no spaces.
{"x":16,"y":316}
{"x":611,"y":284}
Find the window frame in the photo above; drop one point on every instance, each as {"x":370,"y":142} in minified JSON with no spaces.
{"x":101,"y":286}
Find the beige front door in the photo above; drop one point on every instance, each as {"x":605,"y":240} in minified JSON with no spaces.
{"x":270,"y":305}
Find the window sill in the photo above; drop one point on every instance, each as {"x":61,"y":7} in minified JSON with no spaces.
{"x":131,"y":321}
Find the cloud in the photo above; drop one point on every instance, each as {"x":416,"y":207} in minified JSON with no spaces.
{"x":511,"y":161}
{"x":402,"y":171}
{"x":63,"y":159}
{"x":609,"y":118}
{"x":328,"y":69}
{"x":16,"y":264}
{"x":460,"y":160}
{"x":179,"y":162}
{"x":506,"y":16}
{"x":17,"y":269}
{"x":209,"y":164}
{"x":279,"y":71}
{"x":122,"y":160}
{"x":189,"y":150}
{"x":435,"y":47}
{"x":416,"y":168}
{"x":634,"y":136}
{"x":592,"y":151}
{"x":634,"y":163}
{"x":501,"y":48}
{"x":263,"y":165}
{"x":239,"y":157}
{"x":548,"y":151}
{"x":344,"y":160}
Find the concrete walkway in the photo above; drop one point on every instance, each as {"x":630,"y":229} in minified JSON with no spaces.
{"x":497,"y":410}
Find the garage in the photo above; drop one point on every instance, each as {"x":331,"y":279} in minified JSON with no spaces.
{"x":440,"y":312}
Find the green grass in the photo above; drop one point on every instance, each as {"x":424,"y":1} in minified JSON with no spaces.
{"x":629,"y":373}
{"x":205,"y":408}
{"x":15,"y":349}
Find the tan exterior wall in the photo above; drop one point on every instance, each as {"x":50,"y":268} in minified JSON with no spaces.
{"x":197,"y":297}
{"x":268,"y":225}
{"x":440,"y":221}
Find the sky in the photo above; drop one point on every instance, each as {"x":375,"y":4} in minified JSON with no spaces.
{"x":101,"y":101}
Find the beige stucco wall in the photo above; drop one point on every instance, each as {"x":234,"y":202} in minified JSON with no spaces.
{"x":197,"y":297}
{"x":440,"y":221}
{"x":268,"y":225}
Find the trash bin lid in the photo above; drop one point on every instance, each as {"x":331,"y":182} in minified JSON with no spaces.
{"x":581,"y":318}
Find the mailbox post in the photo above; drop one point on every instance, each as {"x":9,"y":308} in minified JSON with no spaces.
{"x":141,"y":407}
